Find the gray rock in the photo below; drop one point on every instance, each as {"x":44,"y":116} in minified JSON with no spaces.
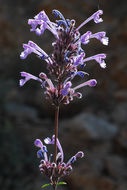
{"x":116,"y":166}
{"x":91,"y":127}
{"x":119,"y":114}
{"x":21,"y":112}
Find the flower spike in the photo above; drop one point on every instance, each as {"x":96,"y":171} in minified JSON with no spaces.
{"x":65,"y":62}
{"x":55,"y":170}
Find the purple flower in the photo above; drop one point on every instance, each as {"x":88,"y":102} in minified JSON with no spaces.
{"x":99,"y":58}
{"x":48,"y":81}
{"x":63,"y":21}
{"x":38,"y":143}
{"x":43,"y":22}
{"x":39,"y":154}
{"x":67,"y":59}
{"x":64,"y":91}
{"x":85,"y":37}
{"x":101,"y":36}
{"x":55,"y":170}
{"x":65,"y":62}
{"x":79,"y":59}
{"x":95,"y":17}
{"x":34,"y":23}
{"x":40,"y":31}
{"x":43,"y":149}
{"x":49,"y":141}
{"x":80,"y":73}
{"x":80,"y":154}
{"x":31,"y":47}
{"x":42,"y":16}
{"x":90,"y":83}
{"x":27,"y":78}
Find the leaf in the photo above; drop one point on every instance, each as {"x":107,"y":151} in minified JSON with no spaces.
{"x":61,"y":183}
{"x":45,"y":185}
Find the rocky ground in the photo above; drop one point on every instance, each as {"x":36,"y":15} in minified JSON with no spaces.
{"x":97,"y":124}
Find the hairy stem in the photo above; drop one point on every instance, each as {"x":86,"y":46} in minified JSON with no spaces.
{"x":56,"y":132}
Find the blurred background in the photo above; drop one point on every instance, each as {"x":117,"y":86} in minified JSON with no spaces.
{"x":96,"y":124}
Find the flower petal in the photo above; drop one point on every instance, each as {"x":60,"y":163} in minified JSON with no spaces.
{"x":95,"y":17}
{"x":79,"y":59}
{"x":101,"y":36}
{"x":38,"y":143}
{"x":91,"y":83}
{"x":65,"y":90}
{"x":99,"y":58}
{"x":85,"y":37}
{"x":27,"y":78}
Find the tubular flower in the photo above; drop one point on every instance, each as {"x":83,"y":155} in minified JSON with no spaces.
{"x":54,"y":171}
{"x":67,"y":60}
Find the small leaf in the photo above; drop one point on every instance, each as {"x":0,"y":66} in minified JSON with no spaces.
{"x":45,"y":185}
{"x":61,"y":183}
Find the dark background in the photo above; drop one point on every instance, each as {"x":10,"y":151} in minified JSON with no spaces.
{"x":96,"y":124}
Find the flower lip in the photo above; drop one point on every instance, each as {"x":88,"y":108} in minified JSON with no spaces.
{"x":38,"y":143}
{"x":27,"y":78}
{"x":101,"y":36}
{"x":39,"y":154}
{"x":65,"y":90}
{"x":79,"y":59}
{"x":85,"y":37}
{"x":95,"y":17}
{"x":93,"y":82}
{"x":80,"y":154}
{"x":45,"y":149}
{"x":47,"y":140}
{"x":42,"y":16}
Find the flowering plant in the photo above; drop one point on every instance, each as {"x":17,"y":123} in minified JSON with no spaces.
{"x":67,"y":60}
{"x":58,"y":169}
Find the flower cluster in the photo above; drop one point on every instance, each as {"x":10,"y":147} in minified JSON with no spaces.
{"x":67,"y":60}
{"x":51,"y":169}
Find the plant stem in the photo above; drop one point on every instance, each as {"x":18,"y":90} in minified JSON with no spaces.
{"x":54,"y":188}
{"x":56,"y":131}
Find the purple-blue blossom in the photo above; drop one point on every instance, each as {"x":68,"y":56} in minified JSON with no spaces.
{"x":66,"y":62}
{"x":47,"y":166}
{"x":27,"y":77}
{"x":68,"y":58}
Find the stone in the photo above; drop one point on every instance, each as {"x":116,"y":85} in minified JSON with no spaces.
{"x":91,"y":127}
{"x":122,"y":185}
{"x":119,"y":115}
{"x":121,"y":95}
{"x":116,"y":166}
{"x":21,"y":112}
{"x":91,"y":182}
{"x":122,"y":139}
